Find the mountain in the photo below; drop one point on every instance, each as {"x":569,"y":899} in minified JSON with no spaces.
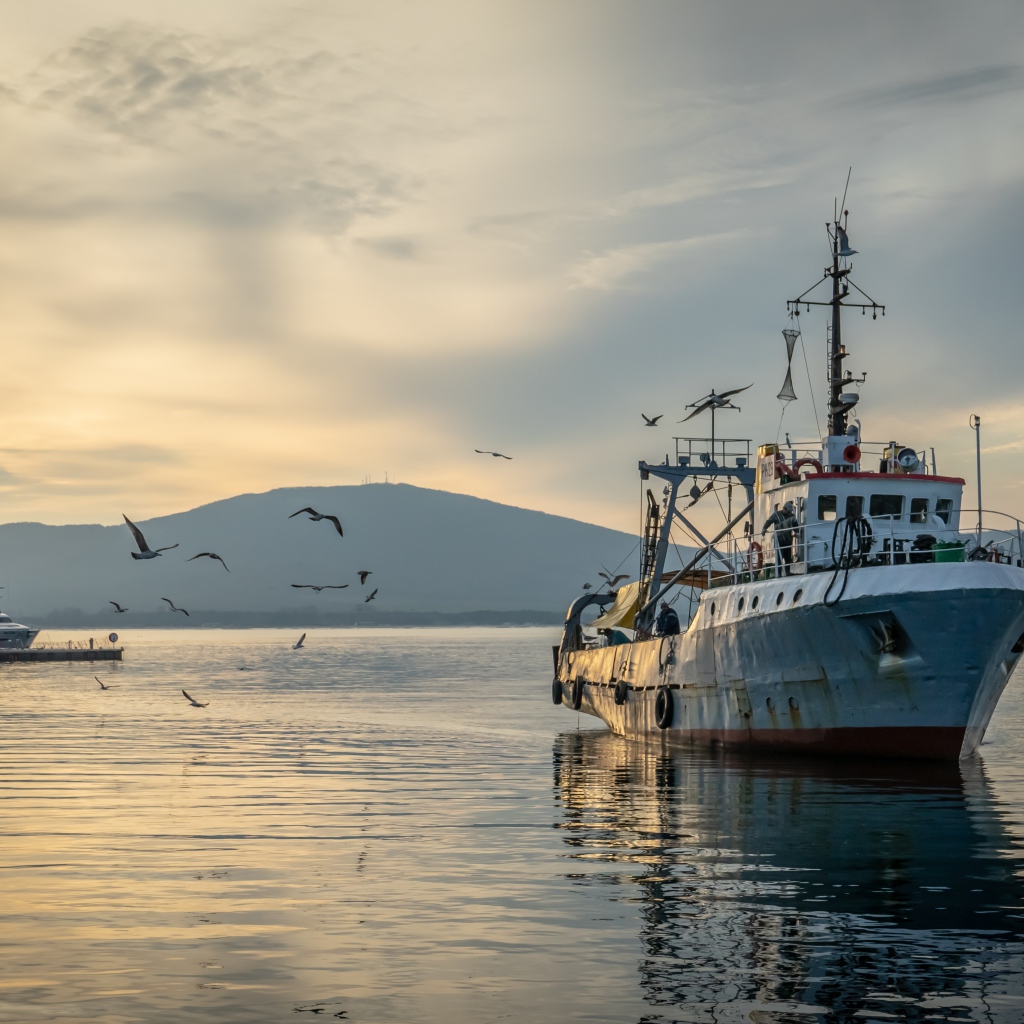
{"x":431,"y":552}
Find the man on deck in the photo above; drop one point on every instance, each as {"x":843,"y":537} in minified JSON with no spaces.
{"x":784,"y":521}
{"x":668,"y":621}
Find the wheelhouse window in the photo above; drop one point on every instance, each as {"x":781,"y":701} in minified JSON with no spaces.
{"x":944,"y":509}
{"x":886,"y":506}
{"x":826,"y":507}
{"x":854,"y":506}
{"x":919,"y":510}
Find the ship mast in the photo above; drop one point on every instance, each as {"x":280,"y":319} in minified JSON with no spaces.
{"x":839,"y":402}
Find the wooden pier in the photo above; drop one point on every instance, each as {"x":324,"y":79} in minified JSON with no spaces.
{"x":24,"y":654}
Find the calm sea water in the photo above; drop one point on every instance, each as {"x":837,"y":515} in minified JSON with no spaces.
{"x":398,"y":826}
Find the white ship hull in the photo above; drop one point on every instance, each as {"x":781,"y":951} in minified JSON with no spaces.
{"x":17,"y":636}
{"x":909,"y":663}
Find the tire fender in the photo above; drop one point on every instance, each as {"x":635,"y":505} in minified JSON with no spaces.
{"x":664,"y":707}
{"x":576,"y":693}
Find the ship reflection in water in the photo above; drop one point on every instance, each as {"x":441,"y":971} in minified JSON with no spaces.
{"x":800,"y":891}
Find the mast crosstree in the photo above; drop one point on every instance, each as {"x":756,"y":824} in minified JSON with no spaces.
{"x":838,"y":271}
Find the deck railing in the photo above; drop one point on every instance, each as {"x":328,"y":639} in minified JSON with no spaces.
{"x":889,"y":544}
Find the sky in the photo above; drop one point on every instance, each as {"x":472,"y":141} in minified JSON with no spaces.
{"x":249,"y":245}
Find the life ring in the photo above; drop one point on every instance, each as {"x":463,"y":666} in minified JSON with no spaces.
{"x":576,"y":693}
{"x":664,"y":706}
{"x":556,"y":691}
{"x":755,"y":557}
{"x":800,"y":463}
{"x":621,"y":691}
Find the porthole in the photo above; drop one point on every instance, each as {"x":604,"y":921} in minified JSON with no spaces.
{"x":793,"y":704}
{"x":712,"y":607}
{"x":757,"y":598}
{"x":797,"y":596}
{"x":739,"y":607}
{"x":778,"y":600}
{"x":770,"y":703}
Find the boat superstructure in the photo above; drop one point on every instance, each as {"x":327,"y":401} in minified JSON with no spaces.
{"x":14,"y":634}
{"x":863,"y":621}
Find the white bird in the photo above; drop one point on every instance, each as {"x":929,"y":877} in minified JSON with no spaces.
{"x":302,"y":640}
{"x":497,"y":455}
{"x":844,"y":243}
{"x":193,"y":701}
{"x":315,"y":517}
{"x":117,"y":608}
{"x":144,"y":549}
{"x":612,"y":580}
{"x":208,"y":554}
{"x":174,"y":607}
{"x":651,"y":421}
{"x":714,"y":401}
{"x":104,"y":686}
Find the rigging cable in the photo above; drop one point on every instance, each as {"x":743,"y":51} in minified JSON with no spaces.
{"x":814,"y":404}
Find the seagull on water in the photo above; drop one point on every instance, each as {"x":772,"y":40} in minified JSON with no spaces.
{"x":366,"y":600}
{"x":193,"y":701}
{"x":315,"y":517}
{"x":208,"y":554}
{"x":174,"y":608}
{"x":302,"y":640}
{"x":362,"y":574}
{"x":497,"y":455}
{"x":325,"y":586}
{"x":117,"y":607}
{"x":651,"y":421}
{"x":103,"y":685}
{"x":144,"y":549}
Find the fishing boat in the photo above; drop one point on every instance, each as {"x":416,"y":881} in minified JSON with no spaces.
{"x":841,"y":611}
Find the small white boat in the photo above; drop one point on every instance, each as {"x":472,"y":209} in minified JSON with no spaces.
{"x":14,"y":634}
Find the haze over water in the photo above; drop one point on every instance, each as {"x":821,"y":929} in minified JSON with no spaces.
{"x":398,"y":826}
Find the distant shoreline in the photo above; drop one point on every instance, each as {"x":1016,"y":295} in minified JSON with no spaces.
{"x":290,"y":619}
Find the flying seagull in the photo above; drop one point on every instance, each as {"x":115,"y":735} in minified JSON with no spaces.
{"x":612,"y":580}
{"x":366,"y":600}
{"x":714,"y":401}
{"x":587,"y":586}
{"x":193,"y":701}
{"x":325,"y":586}
{"x":173,"y":607}
{"x":302,"y":640}
{"x":844,"y":243}
{"x":144,"y":549}
{"x":103,"y":685}
{"x":497,"y":455}
{"x":651,"y":421}
{"x":362,"y":574}
{"x":208,"y":554}
{"x":315,"y":517}
{"x":117,"y":608}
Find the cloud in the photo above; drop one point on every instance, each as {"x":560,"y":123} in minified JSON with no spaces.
{"x":958,"y":87}
{"x":630,"y":266}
